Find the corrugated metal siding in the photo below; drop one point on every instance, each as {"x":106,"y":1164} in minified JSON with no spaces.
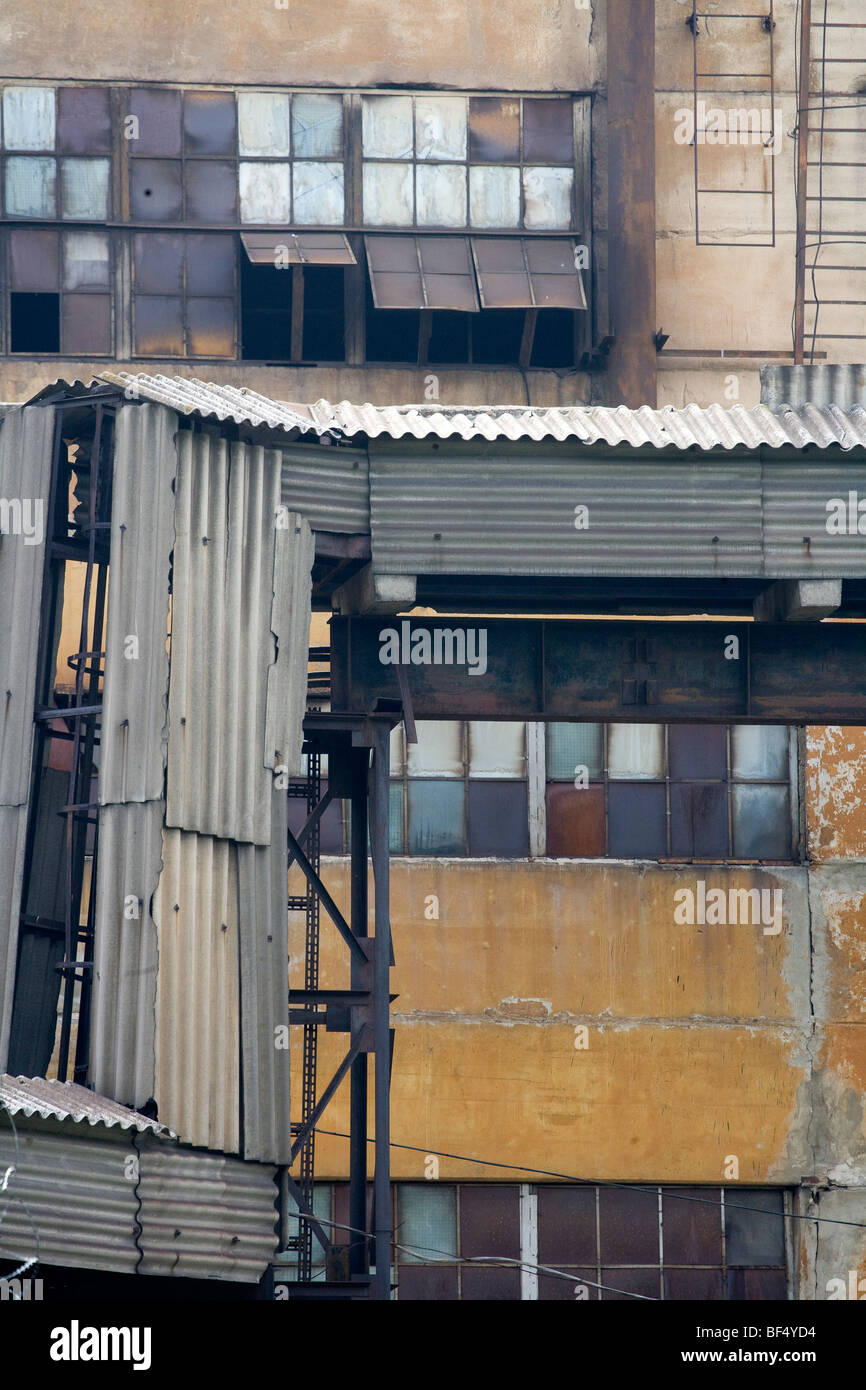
{"x":824,"y":384}
{"x":286,"y":700}
{"x":795,"y":507}
{"x":122,"y":1035}
{"x":134,"y":724}
{"x":198,"y":995}
{"x":13,"y":832}
{"x":329,"y":486}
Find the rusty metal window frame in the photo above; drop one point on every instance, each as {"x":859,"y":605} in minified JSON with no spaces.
{"x":184,"y":295}
{"x":57,"y":155}
{"x":61,"y":231}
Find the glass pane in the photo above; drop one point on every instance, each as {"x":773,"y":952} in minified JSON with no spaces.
{"x":627,"y":1282}
{"x":494,"y":197}
{"x":84,"y":188}
{"x":318,"y":193}
{"x":33,"y":257}
{"x":157,"y":127}
{"x":428,"y":1284}
{"x":30,"y":186}
{"x":575,"y":821}
{"x":480,"y":1282}
{"x":692,"y":1230}
{"x":573,"y":746}
{"x":699,"y":820}
{"x":158,"y":262}
{"x":497,"y":749}
{"x":210,"y":264}
{"x":446,"y":267}
{"x":556,"y":281}
{"x":83,"y":121}
{"x":86,"y":323}
{"x":427,"y":1221}
{"x":636,"y":820}
{"x":490,"y":1220}
{"x":155,"y":190}
{"x":762,"y":822}
{"x":494,"y":128}
{"x":264,"y":192}
{"x":566,"y":1225}
{"x":436,"y":818}
{"x":635,"y":750}
{"x":756,"y":1236}
{"x":209,"y":122}
{"x":387,"y":127}
{"x":317,"y":125}
{"x":395,"y":818}
{"x":759,"y":752}
{"x":439,"y":750}
{"x":697,"y":751}
{"x":628,"y":1225}
{"x":211,"y":327}
{"x":211,"y":190}
{"x":388,"y":195}
{"x":440,"y":195}
{"x":547,"y":194}
{"x":398,"y":750}
{"x":548,"y":130}
{"x":263,"y":123}
{"x":694,"y":1285}
{"x":28,"y":118}
{"x":759,"y":1284}
{"x":552,"y":1287}
{"x":85,"y":260}
{"x":498,"y":819}
{"x":158,"y":326}
{"x":440,"y":127}
{"x":503,"y":278}
{"x":395,"y":275}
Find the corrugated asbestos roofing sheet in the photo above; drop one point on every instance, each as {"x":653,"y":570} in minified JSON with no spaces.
{"x":64,"y":1100}
{"x":190,"y":396}
{"x":820,"y":384}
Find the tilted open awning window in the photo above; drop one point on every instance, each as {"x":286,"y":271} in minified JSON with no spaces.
{"x":528,"y":273}
{"x":421,"y":272}
{"x":298,"y":248}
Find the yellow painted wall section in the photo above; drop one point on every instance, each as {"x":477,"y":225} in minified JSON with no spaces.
{"x":836,"y":792}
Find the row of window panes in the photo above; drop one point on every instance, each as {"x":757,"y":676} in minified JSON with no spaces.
{"x":662,"y":1242}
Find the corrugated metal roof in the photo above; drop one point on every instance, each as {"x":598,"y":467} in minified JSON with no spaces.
{"x":64,"y":1100}
{"x":821,"y":384}
{"x":191,"y":396}
{"x":692,"y":426}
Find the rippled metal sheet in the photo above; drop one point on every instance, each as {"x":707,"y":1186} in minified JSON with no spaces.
{"x":330,"y":487}
{"x":286,"y":700}
{"x":13,"y":833}
{"x":822,"y":384}
{"x":190,"y":396}
{"x":64,"y":1100}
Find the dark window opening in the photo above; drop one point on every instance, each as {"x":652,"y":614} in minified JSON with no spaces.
{"x":392,"y":334}
{"x":497,"y":335}
{"x":34,"y":322}
{"x":266,"y":312}
{"x":449,"y":336}
{"x":553,"y":345}
{"x":324,"y":314}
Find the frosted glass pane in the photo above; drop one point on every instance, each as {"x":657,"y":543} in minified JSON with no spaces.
{"x":317,"y":190}
{"x":28,"y":118}
{"x":437,"y":817}
{"x":317,"y":125}
{"x":497,"y":749}
{"x":494,"y":197}
{"x":398,"y":751}
{"x":30,"y":186}
{"x":635,"y":750}
{"x":440,"y":127}
{"x":84,"y":188}
{"x":263,"y":123}
{"x":547,"y":194}
{"x":762,"y":822}
{"x":759,"y":751}
{"x":265,"y":194}
{"x":395,"y":818}
{"x":427,"y":1221}
{"x":386,"y":127}
{"x":85,"y":260}
{"x":440,"y":195}
{"x":388,"y":200}
{"x":570,"y":746}
{"x":439,"y":750}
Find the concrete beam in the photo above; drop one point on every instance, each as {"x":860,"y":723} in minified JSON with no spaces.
{"x":368,"y":592}
{"x":798,"y":600}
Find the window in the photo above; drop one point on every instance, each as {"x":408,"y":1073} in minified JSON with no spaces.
{"x":184,"y":294}
{"x":59,"y":291}
{"x":56,"y":150}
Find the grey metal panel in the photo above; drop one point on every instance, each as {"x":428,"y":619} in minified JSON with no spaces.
{"x":195,"y":909}
{"x":122,"y":1035}
{"x":264,"y":978}
{"x":329,"y":486}
{"x":13,"y":832}
{"x":222,"y":645}
{"x":134,"y":724}
{"x":822,"y":384}
{"x":190,"y":396}
{"x":294,"y":552}
{"x":65,"y":1100}
{"x":795,"y":508}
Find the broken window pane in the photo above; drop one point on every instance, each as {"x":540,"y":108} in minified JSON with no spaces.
{"x":210,"y":264}
{"x":266,"y":312}
{"x":573,"y":746}
{"x":395,"y":275}
{"x":155,"y":189}
{"x":265,"y":193}
{"x":548,"y":130}
{"x":575,"y":821}
{"x":497,"y":749}
{"x":553,"y":344}
{"x":439,"y":750}
{"x":318,"y":193}
{"x":698,"y":751}
{"x":449,"y":337}
{"x":211,"y":327}
{"x":388,"y":195}
{"x":762,"y":822}
{"x":33,"y":258}
{"x":699,"y":820}
{"x":34,"y":322}
{"x":85,"y":260}
{"x":547,"y":195}
{"x":436,"y":817}
{"x":759,"y":752}
{"x":86,"y":323}
{"x":30,"y":186}
{"x":446,"y":270}
{"x":83,"y":121}
{"x":317,"y":125}
{"x":440,"y":195}
{"x":324,"y":328}
{"x":209,"y":122}
{"x":440,"y":127}
{"x":158,"y":262}
{"x":84,"y":188}
{"x":387,"y":127}
{"x":498,"y":819}
{"x":494,"y":129}
{"x":494,"y":197}
{"x":211,"y":190}
{"x":158,"y":325}
{"x":263,"y":123}
{"x":635,"y":750}
{"x":28,"y":118}
{"x":157,"y":126}
{"x":496,"y":336}
{"x":636,"y":820}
